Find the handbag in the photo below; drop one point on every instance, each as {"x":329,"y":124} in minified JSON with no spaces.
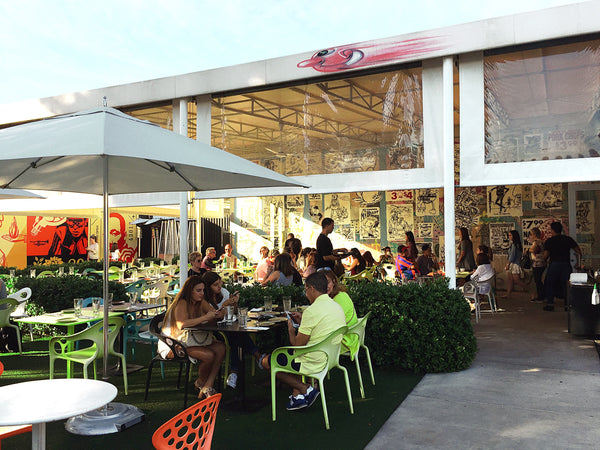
{"x":196,"y":338}
{"x":526,"y":262}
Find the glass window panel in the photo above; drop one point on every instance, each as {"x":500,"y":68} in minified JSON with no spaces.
{"x":161,"y":115}
{"x":359,"y":124}
{"x":543,"y":104}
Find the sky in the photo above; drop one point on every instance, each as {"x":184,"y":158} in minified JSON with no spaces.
{"x":62,"y":46}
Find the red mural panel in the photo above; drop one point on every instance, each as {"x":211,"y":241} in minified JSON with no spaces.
{"x":56,"y":239}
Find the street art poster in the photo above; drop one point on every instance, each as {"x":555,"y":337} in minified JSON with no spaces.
{"x":499,"y":241}
{"x":346,"y":232}
{"x":54,"y":240}
{"x":401,"y":196}
{"x":399,"y":220}
{"x":272,"y":213}
{"x":547,"y":196}
{"x":425,"y":232}
{"x":543,"y":223}
{"x":584,"y":214}
{"x":249,"y":212}
{"x":315,"y":211}
{"x":13,"y":246}
{"x":295,"y":202}
{"x":337,"y":206}
{"x":367,"y":198}
{"x":369,"y":223}
{"x":504,"y":201}
{"x":427,"y":202}
{"x":355,"y":161}
{"x":466,"y":211}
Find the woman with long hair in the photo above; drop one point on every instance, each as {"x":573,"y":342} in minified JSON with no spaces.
{"x":311,"y":264}
{"x":412,"y":252}
{"x":466,"y":258}
{"x":513,"y":268}
{"x":187,"y":311}
{"x":283,"y":273}
{"x":538,"y":262}
{"x":264,"y":266}
{"x":217,"y":297}
{"x":339,"y":294}
{"x":358,"y":263}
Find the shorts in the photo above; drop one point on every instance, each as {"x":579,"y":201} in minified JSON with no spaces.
{"x":515,"y":269}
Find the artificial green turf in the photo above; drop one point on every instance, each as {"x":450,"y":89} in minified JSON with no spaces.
{"x":298,"y":429}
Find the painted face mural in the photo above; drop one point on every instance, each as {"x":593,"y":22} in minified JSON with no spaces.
{"x":118,"y":230}
{"x":353,"y":56}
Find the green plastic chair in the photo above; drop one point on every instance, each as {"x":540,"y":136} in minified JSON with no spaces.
{"x":59,"y":347}
{"x":45,"y":274}
{"x":359,"y":329}
{"x":7,"y":306}
{"x":282,"y":358}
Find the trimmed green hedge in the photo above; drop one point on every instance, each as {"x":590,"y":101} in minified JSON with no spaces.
{"x":418,"y":328}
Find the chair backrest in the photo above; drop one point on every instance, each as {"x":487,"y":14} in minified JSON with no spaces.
{"x":88,"y":301}
{"x":21,"y":296}
{"x":178,"y":349}
{"x":390,"y":271}
{"x":359,"y":328}
{"x":96,"y":333}
{"x":45,"y":273}
{"x":7,"y":306}
{"x":191,"y":428}
{"x":1,"y":367}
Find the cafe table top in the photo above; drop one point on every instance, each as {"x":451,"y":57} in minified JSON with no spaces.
{"x":41,"y":401}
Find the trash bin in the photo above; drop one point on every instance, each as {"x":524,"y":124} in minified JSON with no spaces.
{"x":584,"y":318}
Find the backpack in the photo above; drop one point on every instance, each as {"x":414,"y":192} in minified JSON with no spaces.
{"x":525,"y":262}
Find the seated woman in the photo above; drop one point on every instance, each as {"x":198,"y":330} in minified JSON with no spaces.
{"x":311,"y":264}
{"x":404,"y":266}
{"x":186,"y":311}
{"x":386,"y":256}
{"x":358,"y":264}
{"x":339,"y":294}
{"x":484,"y":271}
{"x":217,"y":297}
{"x":283,"y":273}
{"x":369,"y":260}
{"x":264,"y":266}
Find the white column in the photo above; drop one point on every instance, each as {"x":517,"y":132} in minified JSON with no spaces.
{"x":180,"y":125}
{"x":448,"y":146}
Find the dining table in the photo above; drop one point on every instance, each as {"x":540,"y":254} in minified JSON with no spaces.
{"x":258,"y":322}
{"x":41,"y":401}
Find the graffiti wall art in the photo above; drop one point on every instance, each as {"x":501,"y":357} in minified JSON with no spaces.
{"x":547,"y":196}
{"x":504,"y":201}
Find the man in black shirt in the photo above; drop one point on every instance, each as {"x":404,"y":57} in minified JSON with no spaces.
{"x":325,"y":256}
{"x":557,"y":254}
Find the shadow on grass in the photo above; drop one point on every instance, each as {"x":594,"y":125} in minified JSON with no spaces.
{"x":234,"y":429}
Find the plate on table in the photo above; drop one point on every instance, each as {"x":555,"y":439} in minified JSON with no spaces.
{"x":68,"y":311}
{"x":118,"y":303}
{"x":66,"y":320}
{"x":278,"y":319}
{"x":121,"y":309}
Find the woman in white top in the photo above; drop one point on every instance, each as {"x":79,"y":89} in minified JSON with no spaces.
{"x":264,"y":266}
{"x":484,"y":271}
{"x":186,"y":311}
{"x":92,"y":249}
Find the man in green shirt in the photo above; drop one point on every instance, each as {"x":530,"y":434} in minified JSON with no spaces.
{"x":318,"y":320}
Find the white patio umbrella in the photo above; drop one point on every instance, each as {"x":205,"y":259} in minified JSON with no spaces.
{"x":17,"y":194}
{"x":104,"y":151}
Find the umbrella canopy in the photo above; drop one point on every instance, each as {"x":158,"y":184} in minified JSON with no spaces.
{"x":103,"y":151}
{"x":11,"y":194}
{"x":65,"y":153}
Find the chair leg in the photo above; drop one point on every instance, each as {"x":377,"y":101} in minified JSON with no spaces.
{"x":124,"y":368}
{"x":369,"y":361}
{"x":148,"y":379}
{"x":273,"y":399}
{"x":360,"y":382}
{"x":324,"y":403}
{"x":348,"y":390}
{"x":179,"y":376}
{"x":31,"y":331}
{"x":187,"y":382}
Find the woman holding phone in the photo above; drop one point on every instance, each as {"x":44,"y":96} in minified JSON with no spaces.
{"x":217,"y":297}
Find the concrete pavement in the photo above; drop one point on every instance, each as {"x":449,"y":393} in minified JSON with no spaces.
{"x":532,"y":385}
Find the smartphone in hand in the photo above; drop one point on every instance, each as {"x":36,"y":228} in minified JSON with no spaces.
{"x":289,"y":316}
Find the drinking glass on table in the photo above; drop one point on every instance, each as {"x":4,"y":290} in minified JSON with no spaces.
{"x":132,"y":298}
{"x":96,"y":306}
{"x":240,"y":279}
{"x":229,"y":314}
{"x":142,"y":264}
{"x":287,"y":303}
{"x":12,"y":273}
{"x":243,"y":317}
{"x":77,"y":303}
{"x":110,"y":300}
{"x":71,"y":270}
{"x":61,"y":271}
{"x":268,"y":303}
{"x":32,"y":273}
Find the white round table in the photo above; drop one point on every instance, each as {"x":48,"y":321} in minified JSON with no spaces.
{"x":38,"y":402}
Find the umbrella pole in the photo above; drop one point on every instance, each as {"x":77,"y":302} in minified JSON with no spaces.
{"x":105,"y":259}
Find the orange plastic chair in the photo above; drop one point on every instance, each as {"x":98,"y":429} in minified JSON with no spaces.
{"x":191,"y":428}
{"x":8,"y":431}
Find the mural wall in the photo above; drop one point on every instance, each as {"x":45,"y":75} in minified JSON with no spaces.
{"x":35,"y":240}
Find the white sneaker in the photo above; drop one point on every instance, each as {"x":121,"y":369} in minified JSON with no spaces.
{"x":232,"y":380}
